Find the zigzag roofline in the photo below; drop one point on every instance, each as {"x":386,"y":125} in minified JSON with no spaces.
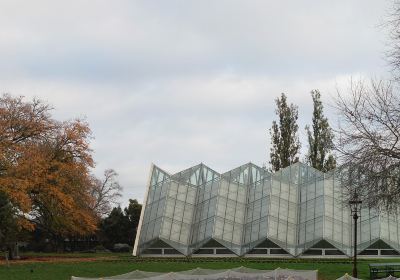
{"x":293,"y":207}
{"x":249,"y":164}
{"x":244,"y":165}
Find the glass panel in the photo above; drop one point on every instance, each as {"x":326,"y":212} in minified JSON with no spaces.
{"x":187,"y":214}
{"x":221,"y":208}
{"x":233,"y":189}
{"x":169,"y":210}
{"x":173,"y":189}
{"x":237,"y":234}
{"x":223,"y":190}
{"x":219,"y":227}
{"x":242,"y":194}
{"x":175,"y":231}
{"x":228,"y":231}
{"x":191,"y":196}
{"x":284,"y":194}
{"x":182,"y":190}
{"x":319,"y":188}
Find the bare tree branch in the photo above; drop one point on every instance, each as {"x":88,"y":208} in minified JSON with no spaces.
{"x":106,"y":192}
{"x":368,"y":142}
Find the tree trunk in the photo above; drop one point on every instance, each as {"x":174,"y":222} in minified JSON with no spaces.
{"x":11,"y":251}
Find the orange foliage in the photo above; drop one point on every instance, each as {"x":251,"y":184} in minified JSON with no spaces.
{"x":45,"y":167}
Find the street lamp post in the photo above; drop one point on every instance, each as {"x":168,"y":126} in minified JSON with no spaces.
{"x":355,"y":207}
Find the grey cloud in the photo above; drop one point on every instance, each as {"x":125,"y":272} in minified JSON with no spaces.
{"x":154,"y":39}
{"x":182,"y":82}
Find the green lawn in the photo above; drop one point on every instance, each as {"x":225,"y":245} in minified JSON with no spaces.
{"x":123,"y":263}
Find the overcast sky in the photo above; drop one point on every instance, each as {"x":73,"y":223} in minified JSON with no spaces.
{"x":177,"y":83}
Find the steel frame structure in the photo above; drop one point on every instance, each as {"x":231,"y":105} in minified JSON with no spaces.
{"x":295,"y":208}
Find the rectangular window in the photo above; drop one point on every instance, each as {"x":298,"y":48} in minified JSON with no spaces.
{"x":277,"y":252}
{"x":259,"y":251}
{"x":204,"y":252}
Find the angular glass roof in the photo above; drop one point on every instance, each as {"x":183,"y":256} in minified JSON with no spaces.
{"x":296,"y":208}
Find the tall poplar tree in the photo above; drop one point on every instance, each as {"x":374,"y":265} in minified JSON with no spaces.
{"x":320,"y":138}
{"x":285,"y":144}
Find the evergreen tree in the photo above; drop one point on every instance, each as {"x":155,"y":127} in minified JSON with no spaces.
{"x":132,"y":212}
{"x":115,"y":227}
{"x":8,"y":225}
{"x":120,"y":225}
{"x":285,"y":144}
{"x":320,"y":138}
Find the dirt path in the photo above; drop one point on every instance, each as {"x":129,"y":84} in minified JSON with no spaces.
{"x":56,"y":259}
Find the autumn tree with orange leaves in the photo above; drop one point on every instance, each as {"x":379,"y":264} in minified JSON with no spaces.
{"x":45,"y":169}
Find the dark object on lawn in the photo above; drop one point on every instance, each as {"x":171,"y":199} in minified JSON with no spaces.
{"x":379,"y":270}
{"x":121,"y":247}
{"x":93,"y":250}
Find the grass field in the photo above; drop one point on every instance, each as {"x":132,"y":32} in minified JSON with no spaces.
{"x":63,"y":266}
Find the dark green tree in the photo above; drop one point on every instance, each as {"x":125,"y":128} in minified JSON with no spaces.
{"x":320,"y":138}
{"x":9,"y":229}
{"x":285,"y":144}
{"x":115,"y":227}
{"x":120,"y":225}
{"x":132,"y":212}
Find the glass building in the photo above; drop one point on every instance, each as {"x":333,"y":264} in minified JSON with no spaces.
{"x":248,"y":211}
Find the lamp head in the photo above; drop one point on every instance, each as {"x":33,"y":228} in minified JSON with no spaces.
{"x":355,"y":203}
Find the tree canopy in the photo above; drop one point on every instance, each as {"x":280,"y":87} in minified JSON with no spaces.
{"x":320,"y":138}
{"x":45,"y":169}
{"x":120,"y":225}
{"x":285,"y":144}
{"x":369,"y":142}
